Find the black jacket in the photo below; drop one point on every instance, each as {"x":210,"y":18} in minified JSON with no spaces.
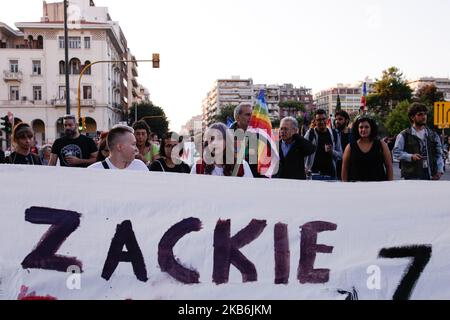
{"x":293,"y":165}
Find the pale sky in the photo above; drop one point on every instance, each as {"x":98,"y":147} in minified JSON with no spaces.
{"x":308,"y":43}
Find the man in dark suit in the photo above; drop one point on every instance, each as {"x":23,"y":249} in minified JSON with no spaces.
{"x":293,"y":150}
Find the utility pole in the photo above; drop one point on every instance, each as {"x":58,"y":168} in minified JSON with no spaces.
{"x":66,"y":51}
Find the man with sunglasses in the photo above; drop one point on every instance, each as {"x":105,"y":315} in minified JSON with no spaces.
{"x":418,"y":148}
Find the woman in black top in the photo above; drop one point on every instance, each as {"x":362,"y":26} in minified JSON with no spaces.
{"x":170,"y":151}
{"x":22,"y":138}
{"x":367,"y":158}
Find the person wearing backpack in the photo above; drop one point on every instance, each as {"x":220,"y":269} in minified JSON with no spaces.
{"x":418,"y":148}
{"x":366,"y":158}
{"x":122,"y":148}
{"x":341,"y":124}
{"x":322,"y":163}
{"x":170,"y":155}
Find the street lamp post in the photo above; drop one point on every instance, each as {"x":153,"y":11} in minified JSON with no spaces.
{"x":66,"y":58}
{"x":155,"y":62}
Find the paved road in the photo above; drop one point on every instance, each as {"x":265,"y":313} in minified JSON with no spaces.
{"x":445,"y":177}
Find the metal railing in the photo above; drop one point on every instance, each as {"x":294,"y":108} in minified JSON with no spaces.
{"x":83,"y":102}
{"x":8,"y":75}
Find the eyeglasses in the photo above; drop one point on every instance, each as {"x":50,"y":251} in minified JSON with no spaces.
{"x":321,"y":119}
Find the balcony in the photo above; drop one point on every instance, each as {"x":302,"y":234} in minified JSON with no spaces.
{"x":12,"y":76}
{"x":134,"y":71}
{"x":24,"y":102}
{"x":84,"y":103}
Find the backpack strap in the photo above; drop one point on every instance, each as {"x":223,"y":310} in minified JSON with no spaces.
{"x":335,"y":135}
{"x":105,"y":164}
{"x":241,"y":170}
{"x":312,"y":135}
{"x":160,"y":164}
{"x":200,"y":167}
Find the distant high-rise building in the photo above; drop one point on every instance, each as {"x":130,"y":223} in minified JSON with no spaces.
{"x":193,"y":124}
{"x":441,"y":84}
{"x":226,"y":92}
{"x":235,"y":90}
{"x":350,"y":96}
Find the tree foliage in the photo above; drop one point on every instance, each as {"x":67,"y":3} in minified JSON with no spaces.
{"x":338,"y":103}
{"x":390,"y":90}
{"x":153,"y":115}
{"x":398,"y":120}
{"x":429,"y":95}
{"x":226,"y":112}
{"x":292,"y":107}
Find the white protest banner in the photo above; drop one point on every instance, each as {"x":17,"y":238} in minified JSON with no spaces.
{"x":104,"y":234}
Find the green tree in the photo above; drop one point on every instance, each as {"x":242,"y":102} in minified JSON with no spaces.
{"x":275,"y":123}
{"x":338,"y":103}
{"x":398,"y":120}
{"x":429,"y":95}
{"x":153,"y":115}
{"x":292,"y":107}
{"x":226,"y":112}
{"x":391,"y":89}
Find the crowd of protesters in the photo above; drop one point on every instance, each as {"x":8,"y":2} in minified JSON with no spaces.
{"x":342,"y":152}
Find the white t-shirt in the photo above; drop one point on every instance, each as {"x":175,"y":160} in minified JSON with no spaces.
{"x":218,"y":171}
{"x":136,"y":165}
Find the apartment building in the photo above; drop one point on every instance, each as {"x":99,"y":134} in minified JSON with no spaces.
{"x":33,"y":67}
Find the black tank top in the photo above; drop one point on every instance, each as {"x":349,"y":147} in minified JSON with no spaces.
{"x":367,"y":166}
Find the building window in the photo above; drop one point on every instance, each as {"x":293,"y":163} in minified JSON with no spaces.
{"x":36,"y":67}
{"x":14,"y":93}
{"x":87,"y":42}
{"x":87,"y":92}
{"x":75,"y":66}
{"x":14,"y":66}
{"x":37,"y":93}
{"x":74,"y":42}
{"x":62,"y":92}
{"x":61,"y":42}
{"x":88,"y":70}
{"x":40,"y":42}
{"x":62,"y":67}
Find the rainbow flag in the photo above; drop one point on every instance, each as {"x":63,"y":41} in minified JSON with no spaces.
{"x":268,"y":157}
{"x":363,"y":97}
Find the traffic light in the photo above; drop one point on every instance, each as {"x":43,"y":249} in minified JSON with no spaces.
{"x":5,"y":125}
{"x":155,"y":60}
{"x":82,"y":124}
{"x":2,"y":123}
